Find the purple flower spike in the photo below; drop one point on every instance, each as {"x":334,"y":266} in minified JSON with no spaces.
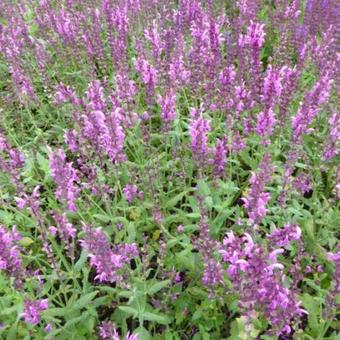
{"x":32,"y":310}
{"x":65,"y":177}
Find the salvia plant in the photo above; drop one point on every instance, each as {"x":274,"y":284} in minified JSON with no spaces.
{"x":169,"y":169}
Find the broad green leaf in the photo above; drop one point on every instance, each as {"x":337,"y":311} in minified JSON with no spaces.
{"x":26,"y":242}
{"x":129,"y":310}
{"x":81,"y":262}
{"x":158,"y":286}
{"x":85,"y":300}
{"x":173,"y":201}
{"x":142,"y":333}
{"x":161,"y":319}
{"x":102,"y":218}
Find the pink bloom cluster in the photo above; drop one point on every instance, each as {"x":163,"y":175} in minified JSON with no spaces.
{"x":260,"y":281}
{"x":65,"y":177}
{"x":257,"y":199}
{"x":108,"y":261}
{"x":108,"y":331}
{"x":10,"y":259}
{"x":32,"y":310}
{"x":131,"y":191}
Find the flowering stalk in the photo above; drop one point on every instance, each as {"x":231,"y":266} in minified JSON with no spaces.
{"x":65,"y":177}
{"x":107,"y":261}
{"x":33,"y":309}
{"x":10,"y":259}
{"x":199,"y":129}
{"x":257,"y":199}
{"x":259,"y":279}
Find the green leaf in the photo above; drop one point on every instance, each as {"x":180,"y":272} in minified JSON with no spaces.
{"x":43,"y":163}
{"x":186,"y":259}
{"x":197,"y":315}
{"x":312,"y":306}
{"x":142,"y":333}
{"x":80,"y":263}
{"x":26,"y":242}
{"x":102,"y":218}
{"x":85,"y":300}
{"x":203,"y":188}
{"x":173,"y":201}
{"x":131,"y":230}
{"x":56,"y":312}
{"x":159,"y":318}
{"x":129,"y":310}
{"x":158,"y":286}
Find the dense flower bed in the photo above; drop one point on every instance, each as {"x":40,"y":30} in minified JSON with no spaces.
{"x":169,"y":169}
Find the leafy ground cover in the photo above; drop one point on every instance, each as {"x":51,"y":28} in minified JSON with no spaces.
{"x":169,"y":169}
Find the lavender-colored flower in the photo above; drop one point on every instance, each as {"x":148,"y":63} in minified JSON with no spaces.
{"x":131,"y":191}
{"x":257,"y":199}
{"x":12,"y":161}
{"x":331,"y":298}
{"x":272,"y":86}
{"x":332,"y":144}
{"x":66,"y":94}
{"x":65,"y":177}
{"x":31,"y":201}
{"x":48,"y":328}
{"x":255,"y":35}
{"x":152,"y":35}
{"x":65,"y":26}
{"x":10,"y":260}
{"x":265,"y":124}
{"x":283,"y":237}
{"x":180,"y":228}
{"x":17,"y":159}
{"x":108,"y":331}
{"x":238,"y":143}
{"x":199,"y":128}
{"x":303,"y":183}
{"x":227,"y":75}
{"x":241,"y":100}
{"x":212,"y":274}
{"x":177,"y":278}
{"x":95,"y":96}
{"x":64,"y":229}
{"x":33,"y":309}
{"x":107,"y":261}
{"x":207,"y":246}
{"x":71,"y":139}
{"x":178,"y":74}
{"x":259,"y":279}
{"x":310,"y":107}
{"x":147,"y":73}
{"x":120,"y":226}
{"x":106,"y":133}
{"x":289,"y":82}
{"x":125,"y":87}
{"x":168,"y":103}
{"x":220,"y":157}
